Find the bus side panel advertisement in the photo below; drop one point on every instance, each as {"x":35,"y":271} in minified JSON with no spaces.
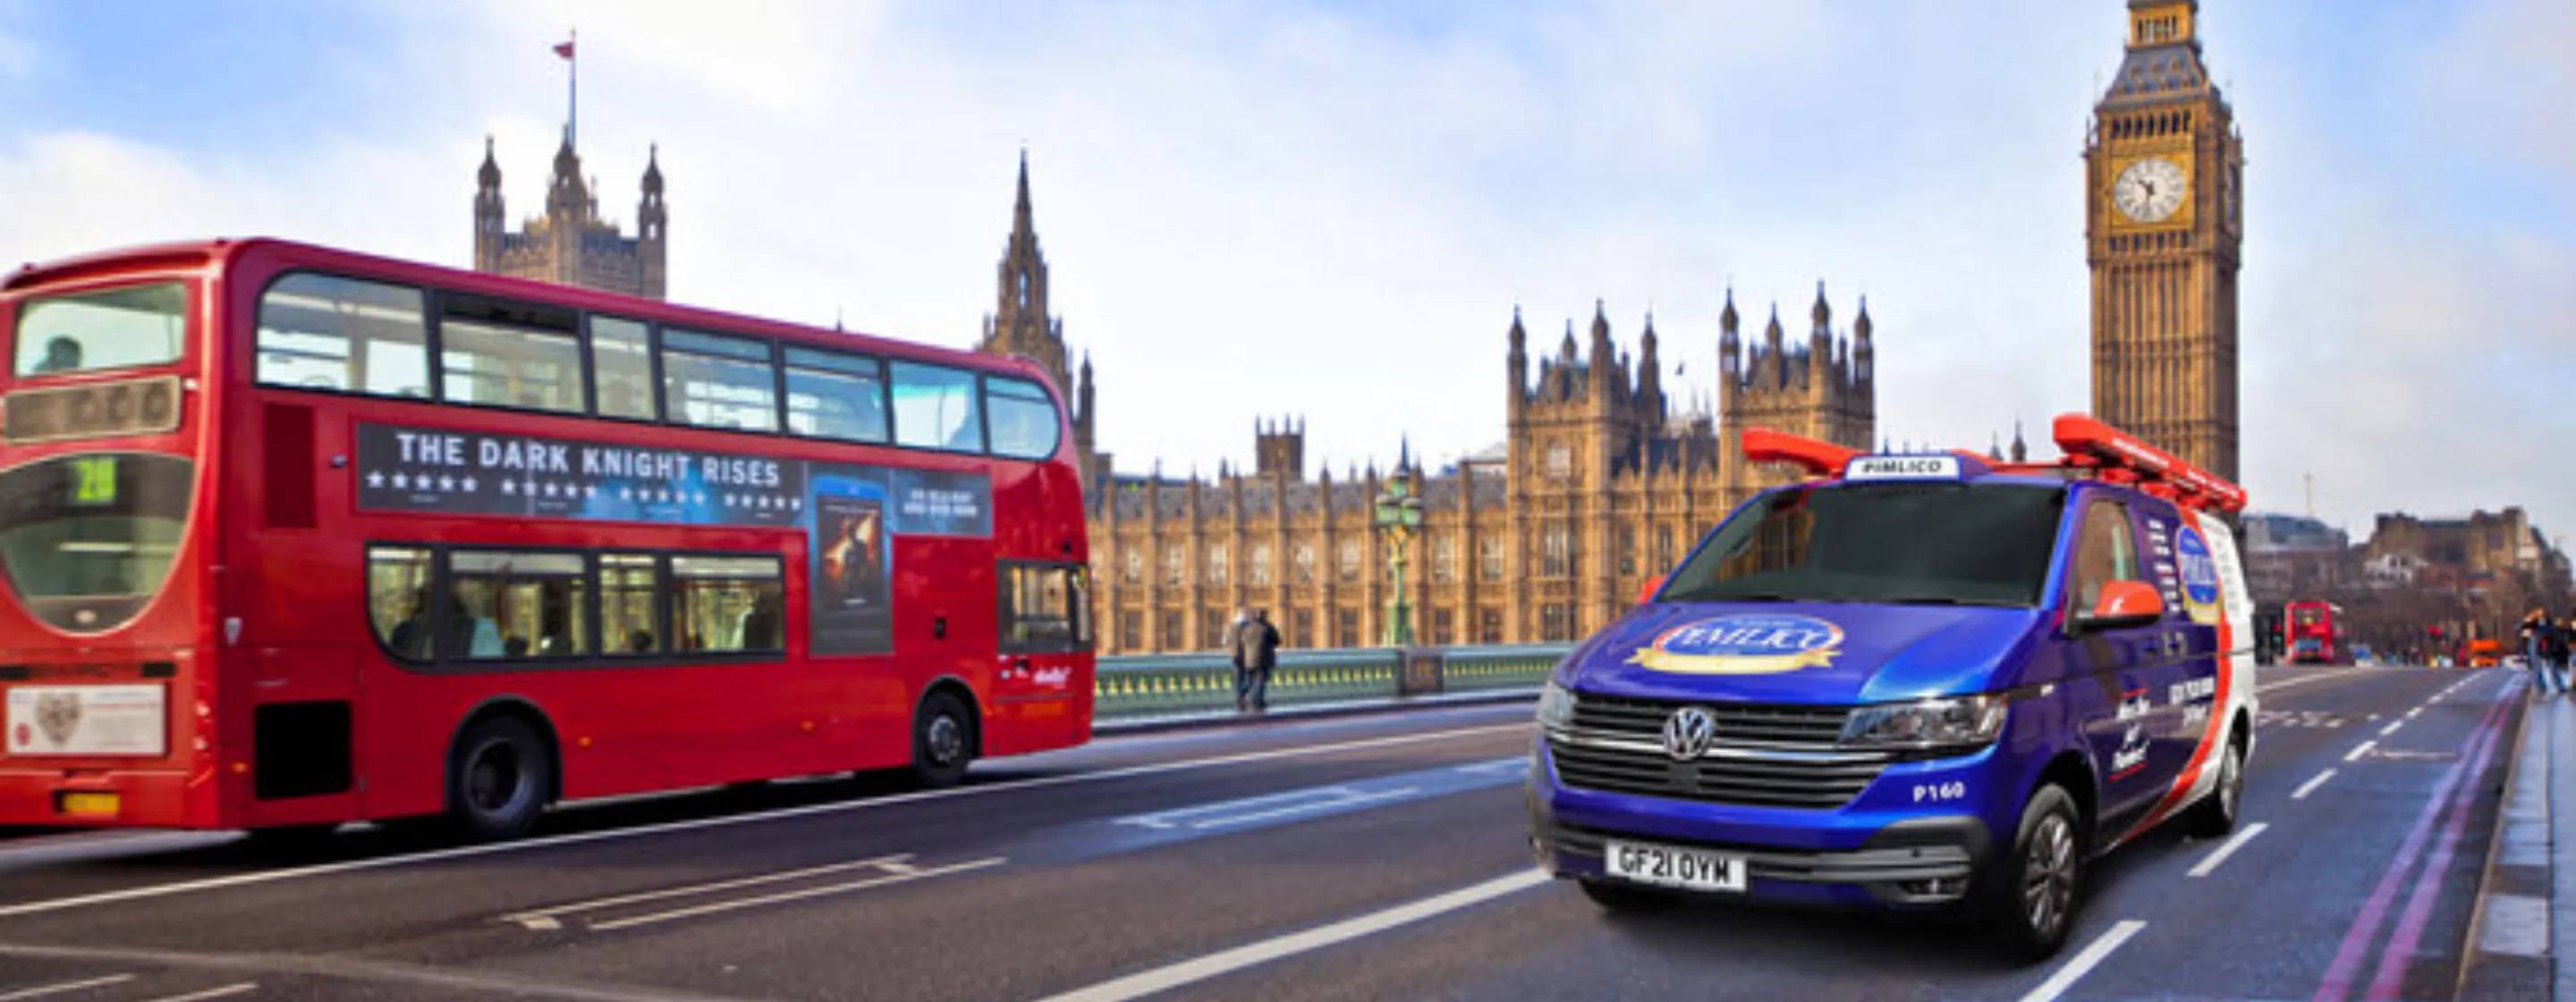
{"x":851,"y":512}
{"x":88,"y":720}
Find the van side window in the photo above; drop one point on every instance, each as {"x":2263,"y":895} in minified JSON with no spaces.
{"x":2105,"y":551}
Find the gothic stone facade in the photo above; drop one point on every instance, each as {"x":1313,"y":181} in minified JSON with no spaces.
{"x":1603,"y":483}
{"x":571,"y":244}
{"x":2164,"y":190}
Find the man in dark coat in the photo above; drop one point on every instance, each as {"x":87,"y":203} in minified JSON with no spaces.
{"x":1256,"y":652}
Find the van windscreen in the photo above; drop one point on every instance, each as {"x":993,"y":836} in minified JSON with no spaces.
{"x":1942,"y":544}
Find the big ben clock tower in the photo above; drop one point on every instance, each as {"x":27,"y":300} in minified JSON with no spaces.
{"x":2163,"y":187}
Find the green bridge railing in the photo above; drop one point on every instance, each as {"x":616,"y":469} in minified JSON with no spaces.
{"x":1176,"y":686}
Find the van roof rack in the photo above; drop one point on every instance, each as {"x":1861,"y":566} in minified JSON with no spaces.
{"x":2091,"y":447}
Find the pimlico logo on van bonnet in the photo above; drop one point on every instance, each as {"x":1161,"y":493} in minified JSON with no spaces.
{"x":1743,"y":645}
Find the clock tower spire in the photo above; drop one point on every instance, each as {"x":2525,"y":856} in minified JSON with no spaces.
{"x":2163,"y":175}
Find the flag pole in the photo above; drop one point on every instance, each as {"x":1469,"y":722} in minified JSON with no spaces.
{"x":572,"y":109}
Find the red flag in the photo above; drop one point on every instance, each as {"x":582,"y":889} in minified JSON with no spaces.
{"x":564,"y":50}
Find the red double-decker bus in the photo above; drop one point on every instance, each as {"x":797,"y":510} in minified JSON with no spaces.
{"x":2313,"y":634}
{"x":294,"y":536}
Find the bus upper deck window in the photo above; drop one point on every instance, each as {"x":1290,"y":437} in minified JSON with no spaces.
{"x":121,"y":328}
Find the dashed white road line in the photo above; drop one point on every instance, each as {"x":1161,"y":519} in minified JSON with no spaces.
{"x":1172,"y":976}
{"x":2311,"y":785}
{"x":2212,"y":861}
{"x":226,"y":991}
{"x":2084,"y":963}
{"x":551,"y":918}
{"x":2361,"y":750}
{"x":905,"y":875}
{"x":66,"y":988}
{"x":2391,"y":729}
{"x":694,"y":824}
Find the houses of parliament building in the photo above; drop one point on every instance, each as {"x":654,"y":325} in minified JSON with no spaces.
{"x":1602,"y":481}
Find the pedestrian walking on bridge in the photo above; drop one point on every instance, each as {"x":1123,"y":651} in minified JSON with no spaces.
{"x":2540,"y":638}
{"x":1256,"y":652}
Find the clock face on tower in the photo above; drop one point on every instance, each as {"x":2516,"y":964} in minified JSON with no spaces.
{"x":2149,"y":190}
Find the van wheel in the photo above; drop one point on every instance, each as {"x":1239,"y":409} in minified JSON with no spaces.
{"x":2215,"y":815}
{"x":1619,"y":897}
{"x":943,"y":741}
{"x":499,"y":781}
{"x":2035,"y":890}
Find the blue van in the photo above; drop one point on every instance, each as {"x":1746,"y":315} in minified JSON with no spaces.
{"x":1920,"y":683}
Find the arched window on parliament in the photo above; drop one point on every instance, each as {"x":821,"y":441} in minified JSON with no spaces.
{"x":1132,"y":570}
{"x":1489,"y":557}
{"x":1350,"y":562}
{"x":1176,"y":570}
{"x":1305,"y":563}
{"x":1261,"y":564}
{"x":1444,"y":559}
{"x":1216,"y":569}
{"x":1556,"y":552}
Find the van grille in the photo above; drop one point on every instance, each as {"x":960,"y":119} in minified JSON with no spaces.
{"x":1615,"y":746}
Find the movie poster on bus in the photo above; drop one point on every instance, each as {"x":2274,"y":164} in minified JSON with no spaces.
{"x":470,"y":473}
{"x":853,"y":562}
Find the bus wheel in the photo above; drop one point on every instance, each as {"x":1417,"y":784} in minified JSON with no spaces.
{"x":2035,"y":889}
{"x":498,"y":782}
{"x":943,"y":741}
{"x":2215,"y":815}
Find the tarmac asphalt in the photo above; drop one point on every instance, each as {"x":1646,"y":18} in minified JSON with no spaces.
{"x":1371,"y":857}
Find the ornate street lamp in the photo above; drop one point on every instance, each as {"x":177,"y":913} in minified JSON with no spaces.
{"x":1399,"y":513}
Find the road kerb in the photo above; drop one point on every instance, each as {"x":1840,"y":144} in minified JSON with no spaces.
{"x":2470,"y":955}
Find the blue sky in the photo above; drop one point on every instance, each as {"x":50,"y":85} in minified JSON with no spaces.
{"x":1332,"y":208}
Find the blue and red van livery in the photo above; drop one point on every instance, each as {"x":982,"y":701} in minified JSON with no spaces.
{"x":1915,"y":682}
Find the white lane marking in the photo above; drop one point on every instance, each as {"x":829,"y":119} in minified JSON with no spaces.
{"x":2084,"y":962}
{"x":547,"y":918}
{"x":2358,"y":752}
{"x":69,"y":846}
{"x":800,"y":894}
{"x":1159,"y":979}
{"x":2414,"y":713}
{"x":1514,"y":764}
{"x":66,"y":988}
{"x":694,"y":824}
{"x":1281,"y":805}
{"x":2311,"y":785}
{"x":2211,"y":862}
{"x":2391,"y":728}
{"x":226,"y":991}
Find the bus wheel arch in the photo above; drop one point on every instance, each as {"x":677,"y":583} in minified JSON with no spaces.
{"x":947,"y":732}
{"x":505,"y":746}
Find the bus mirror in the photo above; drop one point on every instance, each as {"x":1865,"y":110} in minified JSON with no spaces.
{"x":1653,"y":585}
{"x":2123,"y":604}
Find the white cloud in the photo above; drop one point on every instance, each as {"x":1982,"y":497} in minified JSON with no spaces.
{"x":1254,"y":209}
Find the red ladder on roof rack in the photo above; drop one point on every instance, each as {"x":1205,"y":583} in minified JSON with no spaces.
{"x":2107,"y":453}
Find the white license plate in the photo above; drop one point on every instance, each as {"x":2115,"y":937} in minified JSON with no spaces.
{"x":1674,"y":866}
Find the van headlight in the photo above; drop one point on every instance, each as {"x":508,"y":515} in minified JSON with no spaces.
{"x":1961,"y":723}
{"x":1555,"y":707}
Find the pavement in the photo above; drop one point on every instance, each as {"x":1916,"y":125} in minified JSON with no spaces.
{"x":1363,"y":857}
{"x":2527,"y":898}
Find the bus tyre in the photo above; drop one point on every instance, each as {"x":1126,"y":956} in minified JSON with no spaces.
{"x":499,"y":781}
{"x":1617,"y":897}
{"x":943,"y":741}
{"x":2036,"y":888}
{"x":2215,"y":815}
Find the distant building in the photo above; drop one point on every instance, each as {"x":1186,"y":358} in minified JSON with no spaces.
{"x":570,"y":244}
{"x":2270,"y":532}
{"x":1020,"y":325}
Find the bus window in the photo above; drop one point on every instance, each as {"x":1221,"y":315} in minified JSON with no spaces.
{"x":718,"y":382}
{"x":621,"y":363}
{"x":324,"y":332}
{"x":398,"y":599}
{"x":1043,"y":609}
{"x":630,"y":590}
{"x":1022,"y":418}
{"x":728,"y":604}
{"x":510,"y":356}
{"x":934,"y":408}
{"x":832,"y":395}
{"x":109,"y":329}
{"x":516,"y":605}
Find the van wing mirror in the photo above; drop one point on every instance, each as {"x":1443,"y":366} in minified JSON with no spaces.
{"x":1653,"y":585}
{"x":2122,"y":604}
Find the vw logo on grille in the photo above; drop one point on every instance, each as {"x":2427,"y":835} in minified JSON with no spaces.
{"x":1687,"y":733}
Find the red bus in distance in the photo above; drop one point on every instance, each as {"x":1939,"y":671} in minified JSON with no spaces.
{"x":2312,"y":632}
{"x":293,"y":536}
